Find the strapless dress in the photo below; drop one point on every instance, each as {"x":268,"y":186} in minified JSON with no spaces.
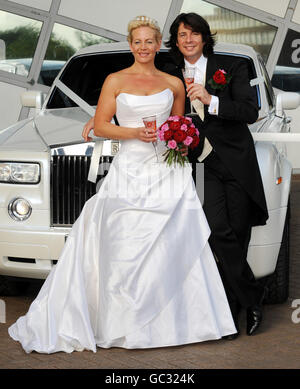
{"x":136,"y":270}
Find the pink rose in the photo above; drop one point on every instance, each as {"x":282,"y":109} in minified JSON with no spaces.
{"x":160,"y":135}
{"x":188,"y":140}
{"x":172,"y":144}
{"x":165,"y":127}
{"x":183,"y":127}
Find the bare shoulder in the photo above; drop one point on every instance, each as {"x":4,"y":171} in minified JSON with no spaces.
{"x":114,"y":81}
{"x":175,"y":84}
{"x":113,"y":78}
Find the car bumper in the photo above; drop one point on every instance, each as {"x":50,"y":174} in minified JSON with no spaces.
{"x":30,"y":253}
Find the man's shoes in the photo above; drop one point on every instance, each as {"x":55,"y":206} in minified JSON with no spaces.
{"x":254,"y":318}
{"x":255,"y":315}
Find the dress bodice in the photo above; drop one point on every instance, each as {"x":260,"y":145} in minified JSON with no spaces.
{"x":130,"y":110}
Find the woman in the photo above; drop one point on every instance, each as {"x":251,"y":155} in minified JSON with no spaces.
{"x":136,"y":270}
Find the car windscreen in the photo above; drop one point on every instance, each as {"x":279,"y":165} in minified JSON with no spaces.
{"x":85,"y":75}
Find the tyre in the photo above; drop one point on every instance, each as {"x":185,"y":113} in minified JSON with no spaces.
{"x":278,"y":282}
{"x":12,"y":287}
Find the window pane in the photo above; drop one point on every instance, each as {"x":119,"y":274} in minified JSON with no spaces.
{"x":232,"y":27}
{"x":64,"y":42}
{"x":85,"y":75}
{"x":287,"y":72}
{"x":41,"y":4}
{"x":18,"y":40}
{"x":267,"y":84}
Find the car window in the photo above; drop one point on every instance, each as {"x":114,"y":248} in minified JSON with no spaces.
{"x":85,"y":75}
{"x":267,"y":84}
{"x":286,"y":75}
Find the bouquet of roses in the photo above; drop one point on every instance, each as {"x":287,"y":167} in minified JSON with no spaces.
{"x":178,"y":131}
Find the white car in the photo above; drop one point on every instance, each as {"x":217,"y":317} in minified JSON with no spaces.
{"x":44,"y":167}
{"x":21,"y":66}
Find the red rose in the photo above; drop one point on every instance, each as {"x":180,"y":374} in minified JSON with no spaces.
{"x":195,"y":142}
{"x":180,"y":136}
{"x":191,"y":131}
{"x":186,"y":121}
{"x":175,"y":126}
{"x":219,"y":77}
{"x":168,"y":134}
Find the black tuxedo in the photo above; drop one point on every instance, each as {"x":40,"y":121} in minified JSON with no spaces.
{"x":234,"y":198}
{"x":228,"y":132}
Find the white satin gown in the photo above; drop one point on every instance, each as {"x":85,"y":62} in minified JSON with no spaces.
{"x":136,"y":270}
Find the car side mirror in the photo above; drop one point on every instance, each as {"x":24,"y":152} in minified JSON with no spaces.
{"x":33,"y":99}
{"x":286,"y":100}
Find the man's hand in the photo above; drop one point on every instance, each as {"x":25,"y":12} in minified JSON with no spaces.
{"x":89,"y":126}
{"x":197,"y":91}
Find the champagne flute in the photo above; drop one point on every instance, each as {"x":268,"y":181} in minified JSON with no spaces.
{"x":189,"y":75}
{"x":150,"y":123}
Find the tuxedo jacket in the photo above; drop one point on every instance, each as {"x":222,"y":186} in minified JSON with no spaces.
{"x":228,"y":132}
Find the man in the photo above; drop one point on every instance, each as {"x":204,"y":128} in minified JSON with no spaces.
{"x":234,"y":199}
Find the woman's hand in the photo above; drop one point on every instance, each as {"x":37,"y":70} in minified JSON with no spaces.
{"x":89,"y":126}
{"x":146,"y":134}
{"x":197,"y":91}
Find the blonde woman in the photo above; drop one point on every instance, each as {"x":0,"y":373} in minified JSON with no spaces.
{"x":136,"y":270}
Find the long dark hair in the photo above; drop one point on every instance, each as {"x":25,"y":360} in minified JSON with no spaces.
{"x":197,"y":24}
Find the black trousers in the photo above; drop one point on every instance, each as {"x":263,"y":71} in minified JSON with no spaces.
{"x":227,"y":208}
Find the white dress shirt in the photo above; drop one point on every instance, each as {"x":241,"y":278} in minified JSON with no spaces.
{"x":213,"y":108}
{"x":200,"y":72}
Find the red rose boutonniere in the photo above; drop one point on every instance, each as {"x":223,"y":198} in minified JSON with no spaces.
{"x":220,"y":79}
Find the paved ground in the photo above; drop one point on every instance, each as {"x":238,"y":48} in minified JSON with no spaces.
{"x":295,"y":239}
{"x":276,"y":345}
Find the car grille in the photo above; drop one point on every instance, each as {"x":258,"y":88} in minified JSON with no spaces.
{"x":70,"y":188}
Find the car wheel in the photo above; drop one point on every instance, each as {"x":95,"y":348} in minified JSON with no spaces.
{"x":11,"y":287}
{"x":278,"y":282}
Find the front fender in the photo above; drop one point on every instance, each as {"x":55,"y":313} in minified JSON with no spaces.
{"x":266,"y":240}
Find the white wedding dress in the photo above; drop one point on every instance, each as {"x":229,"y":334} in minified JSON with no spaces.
{"x":136,"y":270}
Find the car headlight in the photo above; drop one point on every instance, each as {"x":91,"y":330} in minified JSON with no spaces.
{"x":19,"y":209}
{"x":19,"y":172}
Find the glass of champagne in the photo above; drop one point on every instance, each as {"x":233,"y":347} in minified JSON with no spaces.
{"x":150,"y":123}
{"x":189,"y":75}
